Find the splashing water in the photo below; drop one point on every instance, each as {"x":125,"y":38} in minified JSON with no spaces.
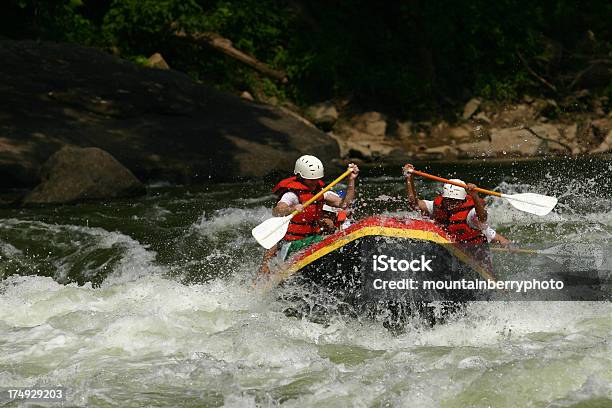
{"x":149,"y":303}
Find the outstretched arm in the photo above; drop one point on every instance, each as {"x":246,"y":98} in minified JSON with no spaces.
{"x":413,"y":200}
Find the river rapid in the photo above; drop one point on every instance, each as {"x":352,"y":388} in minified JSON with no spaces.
{"x":149,"y":302}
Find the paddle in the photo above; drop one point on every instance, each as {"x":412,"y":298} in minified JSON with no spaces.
{"x":272,"y":230}
{"x":590,"y":255}
{"x":537,"y":204}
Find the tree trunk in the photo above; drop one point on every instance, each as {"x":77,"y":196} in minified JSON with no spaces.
{"x":224,"y":45}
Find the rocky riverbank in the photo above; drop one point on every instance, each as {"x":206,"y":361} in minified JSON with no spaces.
{"x":162,"y":125}
{"x":533,"y":128}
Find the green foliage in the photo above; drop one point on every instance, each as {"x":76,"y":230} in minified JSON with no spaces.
{"x":139,"y":60}
{"x":141,"y":26}
{"x":414,"y":57}
{"x":57,"y":20}
{"x":503,"y":88}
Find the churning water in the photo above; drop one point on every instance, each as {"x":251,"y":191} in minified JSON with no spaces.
{"x":149,"y":302}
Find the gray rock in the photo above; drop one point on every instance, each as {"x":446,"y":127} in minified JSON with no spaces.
{"x":403,"y":130}
{"x":505,"y":141}
{"x":247,"y":95}
{"x":552,"y":138}
{"x":442,"y":152}
{"x":482,"y":117}
{"x":475,"y":149}
{"x":371,"y":123}
{"x":76,"y":174}
{"x":157,"y":61}
{"x":515,"y":115}
{"x":354,"y":143}
{"x":159,"y":123}
{"x":516,"y":141}
{"x":470,"y":108}
{"x":605,"y":146}
{"x":323,"y":114}
{"x":602,"y":127}
{"x":460,"y":133}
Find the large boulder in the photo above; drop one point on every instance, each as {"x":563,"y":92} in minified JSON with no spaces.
{"x":553,"y":137}
{"x":76,"y":174}
{"x":514,"y":116}
{"x":161,"y":124}
{"x":506,"y":141}
{"x":364,"y":136}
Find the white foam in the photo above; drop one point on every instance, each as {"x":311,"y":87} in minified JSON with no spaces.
{"x":229,"y":219}
{"x":137,"y":260}
{"x":9,"y":250}
{"x":153,"y":333}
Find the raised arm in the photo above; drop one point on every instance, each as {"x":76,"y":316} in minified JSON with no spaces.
{"x":350,"y":190}
{"x":413,"y":200}
{"x":481,"y":212}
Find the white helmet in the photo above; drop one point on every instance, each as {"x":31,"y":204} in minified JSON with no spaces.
{"x":452,"y":191}
{"x":309,"y":167}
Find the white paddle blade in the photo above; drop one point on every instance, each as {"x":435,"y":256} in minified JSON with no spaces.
{"x":537,"y":204}
{"x":272,"y":230}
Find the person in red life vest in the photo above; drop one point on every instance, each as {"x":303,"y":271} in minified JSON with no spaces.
{"x":305,"y":227}
{"x":461,"y":213}
{"x":334,"y":219}
{"x":344,"y":216}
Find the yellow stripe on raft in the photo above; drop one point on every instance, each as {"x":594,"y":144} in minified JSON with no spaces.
{"x":386,"y":232}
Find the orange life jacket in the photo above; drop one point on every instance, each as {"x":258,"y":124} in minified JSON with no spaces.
{"x":455,"y":221}
{"x":305,"y":223}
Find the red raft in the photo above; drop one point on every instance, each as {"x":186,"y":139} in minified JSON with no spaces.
{"x":386,"y":261}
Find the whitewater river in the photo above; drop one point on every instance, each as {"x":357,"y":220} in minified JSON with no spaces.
{"x":148,"y":302}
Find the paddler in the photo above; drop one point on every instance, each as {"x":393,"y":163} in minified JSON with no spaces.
{"x":305,"y":228}
{"x":462,"y":213}
{"x":334,"y":218}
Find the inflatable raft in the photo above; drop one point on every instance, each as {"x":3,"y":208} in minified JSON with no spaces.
{"x":389,"y":264}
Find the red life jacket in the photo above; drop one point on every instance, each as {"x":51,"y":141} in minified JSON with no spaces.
{"x":305,"y":223}
{"x":455,"y":221}
{"x":338,"y":217}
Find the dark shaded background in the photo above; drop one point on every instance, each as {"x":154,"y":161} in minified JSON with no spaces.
{"x":410,"y":58}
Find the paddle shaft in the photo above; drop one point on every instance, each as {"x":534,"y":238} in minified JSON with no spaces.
{"x":443,"y":180}
{"x":320,"y":193}
{"x":538,"y":252}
